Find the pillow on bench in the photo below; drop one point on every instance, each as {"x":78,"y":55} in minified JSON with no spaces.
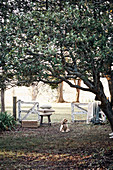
{"x":46,"y":106}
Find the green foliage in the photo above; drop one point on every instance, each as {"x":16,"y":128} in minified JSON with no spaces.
{"x":38,"y":45}
{"x":67,"y":40}
{"x":13,"y":67}
{"x":74,"y":32}
{"x":7,"y":121}
{"x":12,"y":40}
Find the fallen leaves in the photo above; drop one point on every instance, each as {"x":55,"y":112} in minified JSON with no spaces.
{"x":47,"y":148}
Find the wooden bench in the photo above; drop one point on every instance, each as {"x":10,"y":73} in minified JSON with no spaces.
{"x":47,"y":113}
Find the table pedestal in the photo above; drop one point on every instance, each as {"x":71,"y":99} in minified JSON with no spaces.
{"x":45,"y":112}
{"x":49,"y":119}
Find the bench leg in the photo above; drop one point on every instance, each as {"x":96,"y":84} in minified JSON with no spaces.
{"x":49,"y":120}
{"x":41,"y":121}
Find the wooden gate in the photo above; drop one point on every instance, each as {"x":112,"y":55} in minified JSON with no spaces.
{"x":33,"y":110}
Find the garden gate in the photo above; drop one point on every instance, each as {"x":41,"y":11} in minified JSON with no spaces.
{"x":94,"y":113}
{"x":32,"y":110}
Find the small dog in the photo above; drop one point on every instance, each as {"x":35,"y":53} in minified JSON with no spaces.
{"x":64,"y":126}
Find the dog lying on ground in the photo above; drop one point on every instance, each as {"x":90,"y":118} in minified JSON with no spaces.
{"x":64,"y":126}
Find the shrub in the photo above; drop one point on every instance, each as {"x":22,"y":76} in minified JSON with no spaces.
{"x":7,"y":121}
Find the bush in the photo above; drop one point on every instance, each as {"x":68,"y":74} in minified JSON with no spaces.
{"x":7,"y":121}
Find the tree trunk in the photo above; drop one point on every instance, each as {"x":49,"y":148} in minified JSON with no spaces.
{"x":60,"y":93}
{"x":105,"y":105}
{"x":2,"y":100}
{"x":107,"y":109}
{"x":34,"y":91}
{"x":110,"y":82}
{"x":77,"y":91}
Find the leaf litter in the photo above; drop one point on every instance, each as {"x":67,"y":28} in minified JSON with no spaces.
{"x":84,"y":147}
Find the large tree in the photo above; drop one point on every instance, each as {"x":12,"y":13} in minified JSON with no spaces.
{"x":16,"y":33}
{"x":11,"y":44}
{"x":7,"y":35}
{"x":74,"y":40}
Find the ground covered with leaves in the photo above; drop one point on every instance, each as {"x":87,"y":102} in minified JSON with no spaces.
{"x":84,"y":147}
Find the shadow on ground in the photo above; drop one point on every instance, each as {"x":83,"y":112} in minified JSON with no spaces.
{"x":84,"y":147}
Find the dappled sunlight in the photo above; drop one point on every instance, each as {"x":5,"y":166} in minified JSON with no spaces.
{"x":46,"y":158}
{"x":35,"y":160}
{"x":48,"y":148}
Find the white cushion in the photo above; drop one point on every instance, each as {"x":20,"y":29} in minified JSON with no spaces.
{"x":46,"y":106}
